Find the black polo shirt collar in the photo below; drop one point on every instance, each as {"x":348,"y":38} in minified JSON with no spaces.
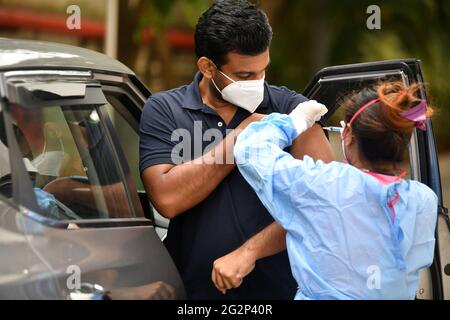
{"x":192,"y":98}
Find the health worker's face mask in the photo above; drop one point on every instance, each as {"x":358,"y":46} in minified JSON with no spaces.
{"x":246,"y":94}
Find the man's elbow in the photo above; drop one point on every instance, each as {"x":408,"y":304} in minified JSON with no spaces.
{"x":158,"y":191}
{"x":166,"y":206}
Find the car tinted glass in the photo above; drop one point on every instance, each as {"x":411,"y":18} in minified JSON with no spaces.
{"x":332,"y":90}
{"x":71,"y":163}
{"x":127,"y":133}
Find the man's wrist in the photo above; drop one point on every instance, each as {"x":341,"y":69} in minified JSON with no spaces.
{"x":250,"y":250}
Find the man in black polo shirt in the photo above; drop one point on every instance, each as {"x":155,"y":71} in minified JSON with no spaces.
{"x":219,"y":231}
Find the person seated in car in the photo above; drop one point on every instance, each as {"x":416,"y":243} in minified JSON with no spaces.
{"x":45,"y":200}
{"x":60,"y":174}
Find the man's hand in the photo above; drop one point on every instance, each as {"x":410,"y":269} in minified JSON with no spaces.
{"x":229,"y":271}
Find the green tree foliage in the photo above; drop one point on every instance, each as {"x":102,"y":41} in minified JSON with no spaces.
{"x":310,"y":35}
{"x":160,"y":14}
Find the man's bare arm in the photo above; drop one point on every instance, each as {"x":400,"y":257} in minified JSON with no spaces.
{"x":313,"y":143}
{"x":173,"y":189}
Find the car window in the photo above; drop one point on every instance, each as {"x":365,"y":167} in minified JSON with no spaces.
{"x":127,"y":130}
{"x":71,"y":163}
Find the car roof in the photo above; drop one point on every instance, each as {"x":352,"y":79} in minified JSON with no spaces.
{"x":29,"y":54}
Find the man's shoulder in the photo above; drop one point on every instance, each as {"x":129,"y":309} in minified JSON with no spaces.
{"x":282,"y":99}
{"x":170,"y":98}
{"x":283,"y":91}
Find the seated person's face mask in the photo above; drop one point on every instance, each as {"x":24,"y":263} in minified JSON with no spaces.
{"x":50,"y":163}
{"x":246,"y":94}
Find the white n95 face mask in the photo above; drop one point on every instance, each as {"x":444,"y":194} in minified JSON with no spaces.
{"x":246,"y":94}
{"x":50,"y":163}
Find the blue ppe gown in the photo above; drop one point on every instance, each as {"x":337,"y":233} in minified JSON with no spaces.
{"x":342,"y":238}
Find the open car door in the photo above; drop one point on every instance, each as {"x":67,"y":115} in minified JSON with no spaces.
{"x":330,"y":85}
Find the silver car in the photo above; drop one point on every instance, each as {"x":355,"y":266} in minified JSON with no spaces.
{"x":75,"y":222}
{"x":72,"y":225}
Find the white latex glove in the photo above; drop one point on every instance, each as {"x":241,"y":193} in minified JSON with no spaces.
{"x":306,"y":114}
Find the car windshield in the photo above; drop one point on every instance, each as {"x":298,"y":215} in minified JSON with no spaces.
{"x":71,"y":162}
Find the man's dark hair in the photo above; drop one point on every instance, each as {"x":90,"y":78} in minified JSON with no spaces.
{"x":232,"y":26}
